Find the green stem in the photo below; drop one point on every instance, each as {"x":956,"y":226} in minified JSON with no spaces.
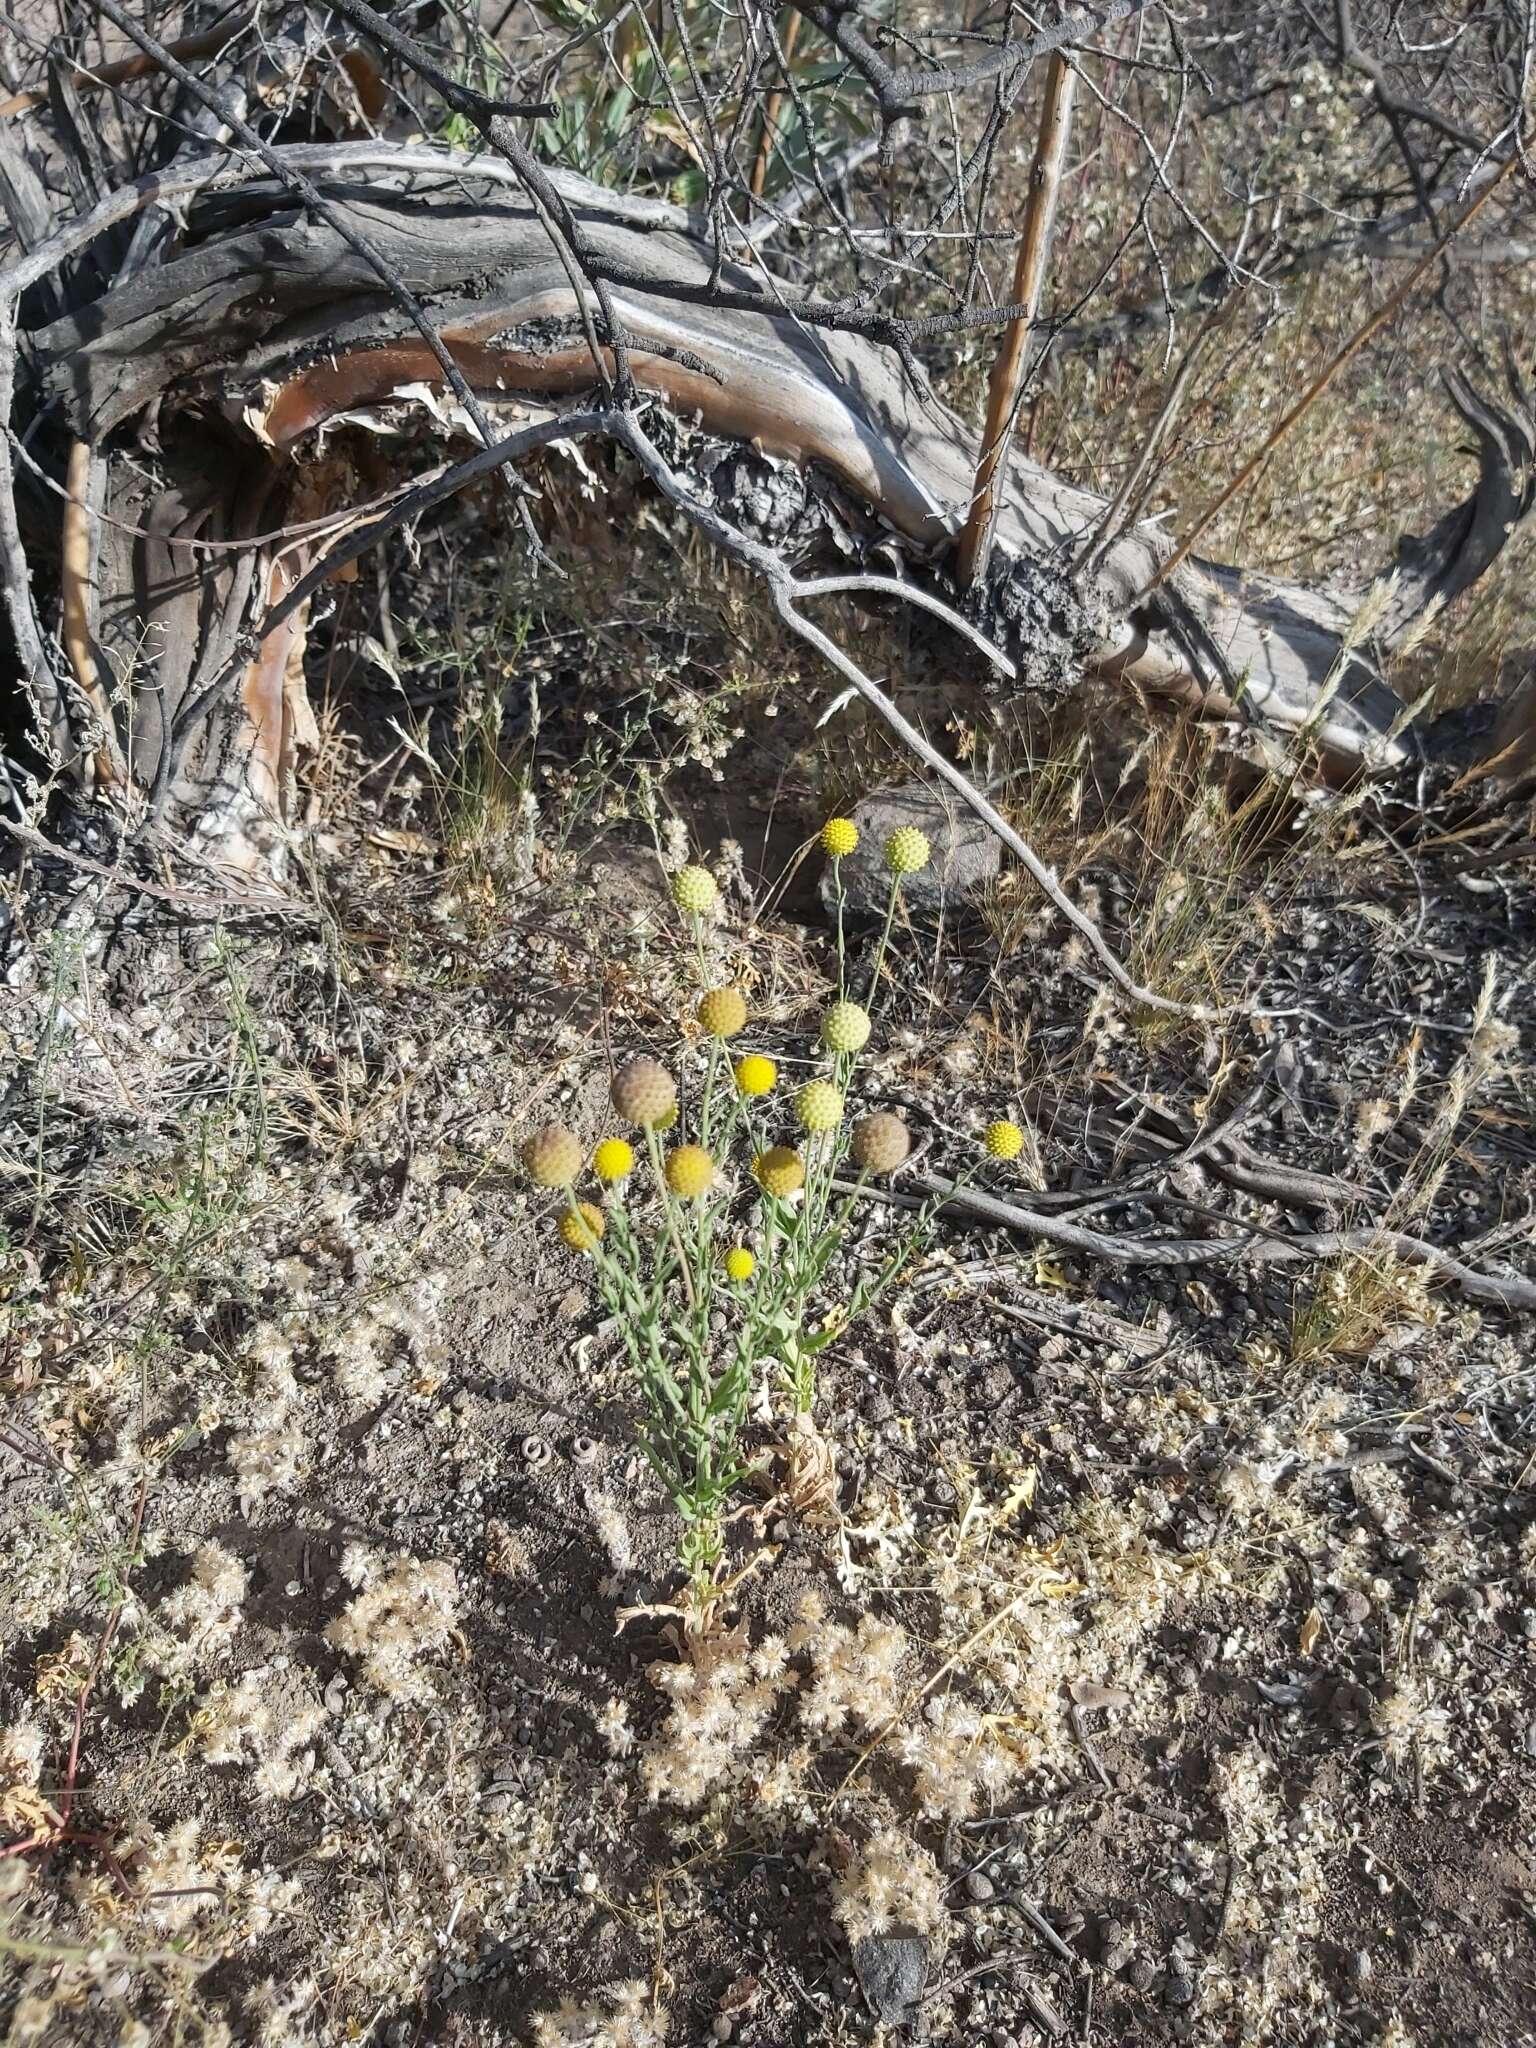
{"x":709,"y":1088}
{"x":625,"y":1295}
{"x":885,"y":939}
{"x":653,"y":1146}
{"x":842,"y":950}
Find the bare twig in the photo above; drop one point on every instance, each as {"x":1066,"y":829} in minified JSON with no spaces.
{"x":1263,"y":1248}
{"x":898,"y":91}
{"x":39,"y":680}
{"x":207,"y":44}
{"x":773,"y":106}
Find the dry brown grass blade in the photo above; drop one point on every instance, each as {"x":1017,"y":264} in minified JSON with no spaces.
{"x":1028,"y":279}
{"x":1366,"y":332}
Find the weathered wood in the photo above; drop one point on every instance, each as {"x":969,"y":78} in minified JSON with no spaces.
{"x":271,"y":321}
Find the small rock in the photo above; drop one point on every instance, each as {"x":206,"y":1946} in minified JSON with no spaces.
{"x":1142,"y":1974}
{"x":892,"y":1970}
{"x":966,"y":856}
{"x":980,"y":1887}
{"x":1354,"y":1607}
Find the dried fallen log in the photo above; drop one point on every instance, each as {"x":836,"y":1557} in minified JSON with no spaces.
{"x":278,"y":330}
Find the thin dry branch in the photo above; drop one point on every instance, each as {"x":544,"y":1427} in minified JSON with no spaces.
{"x":40,"y":683}
{"x":898,"y":90}
{"x":101,"y":76}
{"x":1262,"y":1247}
{"x":773,"y":106}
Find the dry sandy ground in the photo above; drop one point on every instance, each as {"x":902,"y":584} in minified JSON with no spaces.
{"x":1170,"y":1676}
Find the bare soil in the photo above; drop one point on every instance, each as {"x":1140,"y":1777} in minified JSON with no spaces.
{"x":274,"y":1284}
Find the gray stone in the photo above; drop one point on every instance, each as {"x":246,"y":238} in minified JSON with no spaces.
{"x":966,"y":856}
{"x":980,"y":1887}
{"x":892,"y":1970}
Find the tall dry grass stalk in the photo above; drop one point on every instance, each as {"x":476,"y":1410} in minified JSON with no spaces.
{"x":1028,"y":279}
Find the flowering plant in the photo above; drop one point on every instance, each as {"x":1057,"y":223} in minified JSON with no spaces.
{"x":719,"y":1247}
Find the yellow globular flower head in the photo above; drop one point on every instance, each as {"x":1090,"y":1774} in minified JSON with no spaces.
{"x":693,"y":890}
{"x":819,"y":1107}
{"x":845,"y":1028}
{"x":582,"y":1226}
{"x":552,"y":1156}
{"x":755,"y":1074}
{"x":838,"y":837}
{"x":690,"y":1171}
{"x":779,"y":1171}
{"x":907,"y":851}
{"x":881,"y":1142}
{"x":722,"y":1012}
{"x":614,"y":1159}
{"x":739,"y":1263}
{"x":1002,"y":1140}
{"x":644,"y":1092}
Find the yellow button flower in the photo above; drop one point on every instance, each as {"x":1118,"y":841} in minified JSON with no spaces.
{"x":839,"y":836}
{"x":552,"y":1157}
{"x":881,"y":1142}
{"x":1002,"y":1140}
{"x":779,"y":1171}
{"x":644,"y":1092}
{"x":693,"y":890}
{"x":613,"y":1160}
{"x":722,"y":1012}
{"x":690,"y":1172}
{"x":907,"y":851}
{"x":845,"y":1028}
{"x":819,"y":1106}
{"x":755,"y":1074}
{"x":739,"y":1262}
{"x":582,"y":1226}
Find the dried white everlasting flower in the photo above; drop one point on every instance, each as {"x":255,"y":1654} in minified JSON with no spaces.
{"x":893,"y":1883}
{"x":404,"y":1614}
